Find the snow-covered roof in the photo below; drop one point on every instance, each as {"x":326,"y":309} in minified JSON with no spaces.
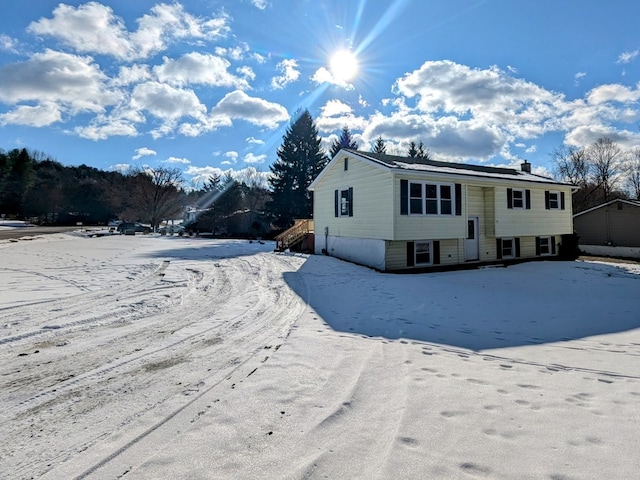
{"x":435,"y":166}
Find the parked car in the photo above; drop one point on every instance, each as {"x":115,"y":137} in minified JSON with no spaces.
{"x":171,"y":229}
{"x":131,"y":228}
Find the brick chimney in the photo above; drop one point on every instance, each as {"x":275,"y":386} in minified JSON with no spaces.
{"x":526,"y":167}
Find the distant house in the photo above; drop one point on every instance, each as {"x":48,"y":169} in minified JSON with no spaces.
{"x":396,"y":213}
{"x":612,"y":229}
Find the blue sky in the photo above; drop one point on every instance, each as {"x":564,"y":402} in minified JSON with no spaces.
{"x":210,"y":86}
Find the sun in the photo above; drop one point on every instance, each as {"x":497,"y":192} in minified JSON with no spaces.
{"x":343,"y":65}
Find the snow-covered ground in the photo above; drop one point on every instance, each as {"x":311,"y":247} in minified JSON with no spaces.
{"x":153,"y":357}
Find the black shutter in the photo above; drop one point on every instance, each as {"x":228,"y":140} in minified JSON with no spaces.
{"x":562,"y":200}
{"x":528,"y":196}
{"x":546,"y":199}
{"x":410,"y":254}
{"x":553,"y":245}
{"x":458,"y":199}
{"x":537,"y":246}
{"x":509,"y":198}
{"x":436,"y":252}
{"x":499,"y":248}
{"x":517,"y":241}
{"x":404,"y":197}
{"x":336,"y":202}
{"x":351,"y":201}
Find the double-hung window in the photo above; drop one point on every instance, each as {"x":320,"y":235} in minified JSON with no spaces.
{"x":431,"y":198}
{"x":517,"y":201}
{"x":545,"y":245}
{"x":518,"y":198}
{"x":508,"y":248}
{"x":424,"y":253}
{"x":554,"y":200}
{"x":343,"y":202}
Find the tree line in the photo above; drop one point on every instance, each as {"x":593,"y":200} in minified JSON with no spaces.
{"x":36,"y":187}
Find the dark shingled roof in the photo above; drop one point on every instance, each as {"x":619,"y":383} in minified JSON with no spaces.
{"x":393,"y":160}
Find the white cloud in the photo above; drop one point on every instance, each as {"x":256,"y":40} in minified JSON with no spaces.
{"x":253,"y":159}
{"x":246,"y":72}
{"x":627,"y":57}
{"x":177,"y":160}
{"x":322,"y":75}
{"x":132,"y":75}
{"x":142,"y":152}
{"x":290,"y":73}
{"x":120,"y":167}
{"x":335,"y":107}
{"x":196,"y":68}
{"x":36,"y":116}
{"x":613,"y":93}
{"x":166,"y":102}
{"x":8,"y":44}
{"x":101,"y":129}
{"x":239,"y":105}
{"x":261,"y":4}
{"x":94,"y":28}
{"x":69,"y":80}
{"x":255,"y":141}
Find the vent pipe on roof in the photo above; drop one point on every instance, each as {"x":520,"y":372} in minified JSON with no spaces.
{"x":526,"y":167}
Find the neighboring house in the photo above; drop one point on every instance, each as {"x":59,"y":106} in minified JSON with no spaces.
{"x":397,"y":213}
{"x":612,"y":229}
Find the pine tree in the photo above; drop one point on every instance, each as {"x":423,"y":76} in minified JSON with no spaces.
{"x":423,"y":153}
{"x":380,"y":147}
{"x":345,"y":141}
{"x":300,"y":160}
{"x":412,"y":151}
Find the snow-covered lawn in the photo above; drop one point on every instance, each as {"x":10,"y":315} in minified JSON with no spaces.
{"x":153,"y":357}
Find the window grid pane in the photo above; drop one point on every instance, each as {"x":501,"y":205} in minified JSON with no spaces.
{"x":423,"y":253}
{"x":518,"y":200}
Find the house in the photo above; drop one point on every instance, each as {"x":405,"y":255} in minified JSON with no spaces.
{"x":395,"y":213}
{"x":610,"y":229}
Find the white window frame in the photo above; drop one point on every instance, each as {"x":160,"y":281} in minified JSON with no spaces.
{"x":416,"y":245}
{"x":343,"y":202}
{"x":522,"y":192}
{"x":438,"y":198}
{"x":548,"y":246}
{"x":513,"y":247}
{"x":557,"y":200}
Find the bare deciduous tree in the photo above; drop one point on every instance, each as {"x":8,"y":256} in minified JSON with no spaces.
{"x":156,"y":194}
{"x":606,"y":160}
{"x":633,"y":173}
{"x":571,"y":165}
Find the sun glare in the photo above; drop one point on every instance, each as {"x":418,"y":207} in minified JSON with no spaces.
{"x":343,"y":65}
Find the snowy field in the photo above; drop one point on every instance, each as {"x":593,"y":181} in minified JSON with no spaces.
{"x":153,"y":357}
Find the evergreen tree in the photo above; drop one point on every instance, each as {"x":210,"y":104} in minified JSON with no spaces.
{"x":412,"y":151}
{"x":345,"y":141}
{"x":379,"y":147}
{"x":300,"y":160}
{"x":423,"y":153}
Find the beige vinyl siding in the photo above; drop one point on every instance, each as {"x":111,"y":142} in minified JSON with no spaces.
{"x":432,"y":227}
{"x":451,"y":253}
{"x":535,"y":221}
{"x":372,"y":201}
{"x":489,"y":211}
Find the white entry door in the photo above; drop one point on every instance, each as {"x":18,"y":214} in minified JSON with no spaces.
{"x":472,"y":243}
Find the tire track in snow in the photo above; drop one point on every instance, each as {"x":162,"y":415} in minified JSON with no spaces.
{"x":244,"y":302}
